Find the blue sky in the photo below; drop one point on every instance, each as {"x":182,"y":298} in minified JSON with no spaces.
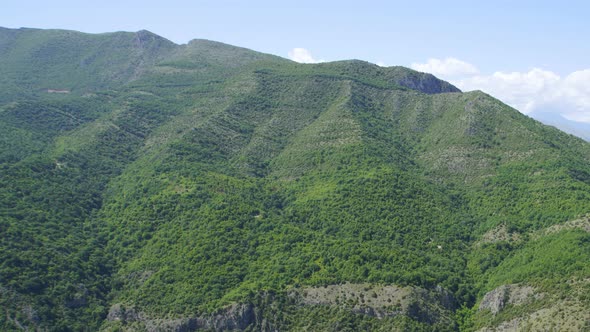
{"x":515,"y":50}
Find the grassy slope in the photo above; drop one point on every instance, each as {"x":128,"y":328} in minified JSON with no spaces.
{"x":200,"y":183}
{"x":33,"y":61}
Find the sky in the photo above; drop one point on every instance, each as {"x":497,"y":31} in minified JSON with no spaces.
{"x":533,"y":55}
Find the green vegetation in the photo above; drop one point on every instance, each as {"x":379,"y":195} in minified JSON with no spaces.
{"x":179,"y":180}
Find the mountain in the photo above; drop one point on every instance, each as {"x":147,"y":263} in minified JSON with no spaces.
{"x":152,"y":186}
{"x":579,"y":129}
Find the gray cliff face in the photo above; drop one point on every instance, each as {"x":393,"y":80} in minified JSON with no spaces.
{"x":434,"y":306}
{"x":427,"y":83}
{"x":423,"y":82}
{"x":236,"y":317}
{"x":504,"y":295}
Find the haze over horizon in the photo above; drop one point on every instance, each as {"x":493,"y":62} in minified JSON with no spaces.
{"x":531,"y":55}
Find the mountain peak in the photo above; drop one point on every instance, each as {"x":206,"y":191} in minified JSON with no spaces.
{"x":145,"y":35}
{"x":423,"y":82}
{"x":396,"y":75}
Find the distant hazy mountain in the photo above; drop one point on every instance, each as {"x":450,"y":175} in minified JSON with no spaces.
{"x":579,"y":129}
{"x":149,"y":186}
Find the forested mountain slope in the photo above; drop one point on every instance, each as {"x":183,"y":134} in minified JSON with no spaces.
{"x":153,"y":186}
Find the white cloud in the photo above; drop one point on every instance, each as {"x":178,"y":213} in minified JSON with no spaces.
{"x":449,"y":67}
{"x":525,"y":91}
{"x":535,"y":90}
{"x":576,"y":87}
{"x":381,"y":64}
{"x":302,"y":55}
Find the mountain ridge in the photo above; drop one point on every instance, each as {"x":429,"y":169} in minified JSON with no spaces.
{"x":265,"y":194}
{"x":129,"y":41}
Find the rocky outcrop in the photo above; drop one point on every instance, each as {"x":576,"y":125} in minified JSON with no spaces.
{"x":427,"y":83}
{"x":500,"y":233}
{"x":118,"y":312}
{"x":559,"y":315}
{"x":431,"y":306}
{"x":236,"y":317}
{"x":582,"y":223}
{"x":380,"y":301}
{"x":14,"y":305}
{"x":504,"y":295}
